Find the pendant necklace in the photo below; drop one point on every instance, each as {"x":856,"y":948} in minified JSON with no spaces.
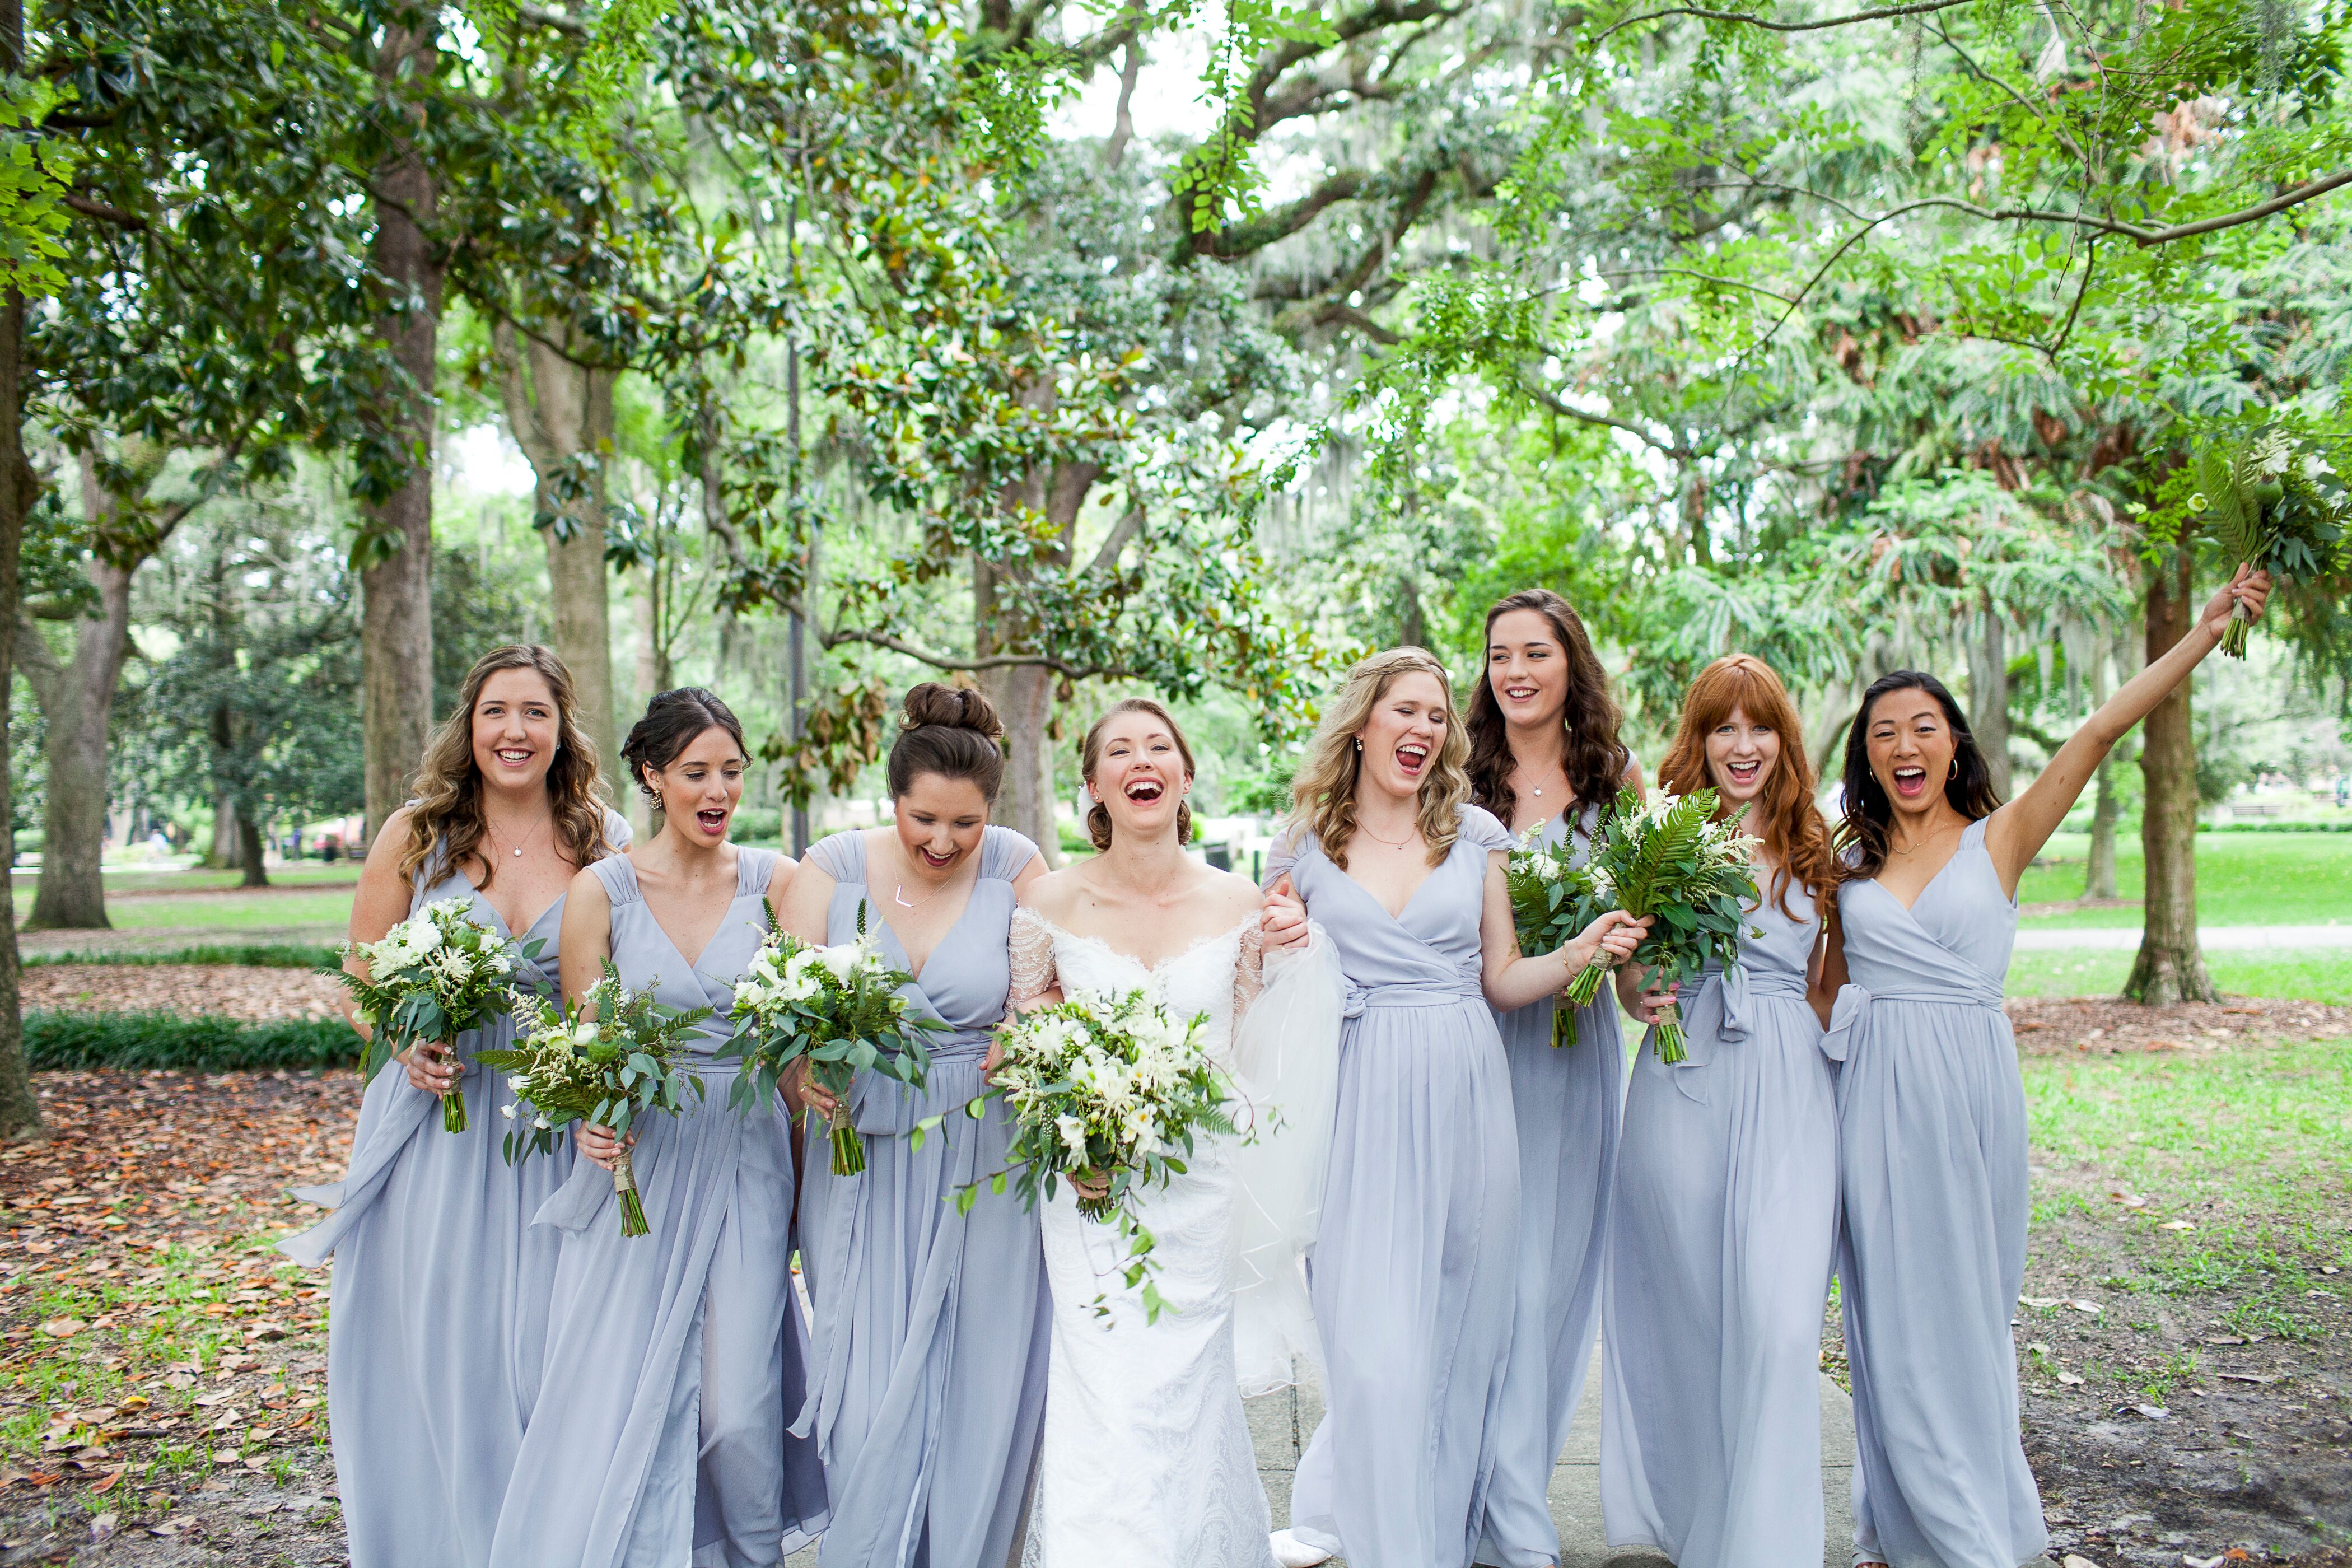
{"x":518,"y":847}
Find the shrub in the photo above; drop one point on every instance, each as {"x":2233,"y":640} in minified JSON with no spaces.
{"x":203,"y":1044}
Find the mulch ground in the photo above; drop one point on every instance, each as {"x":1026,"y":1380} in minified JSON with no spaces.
{"x":2047,"y":1026}
{"x":251,"y":994}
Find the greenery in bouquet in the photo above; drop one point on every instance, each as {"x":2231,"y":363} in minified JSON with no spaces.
{"x":1672,"y":860}
{"x":1551,"y":903}
{"x":618,"y":1056}
{"x":432,"y":977}
{"x":2275,"y":506}
{"x":840,"y":1009}
{"x":1108,"y":1087}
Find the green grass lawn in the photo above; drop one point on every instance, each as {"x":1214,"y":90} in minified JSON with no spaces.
{"x":309,"y":873}
{"x":2318,"y":976}
{"x":2243,"y":878}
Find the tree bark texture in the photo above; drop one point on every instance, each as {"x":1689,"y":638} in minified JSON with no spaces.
{"x":1988,"y":697}
{"x":2170,"y":967}
{"x":20,"y":1112}
{"x":396,"y":607}
{"x":2099,"y":878}
{"x":248,"y":852}
{"x":560,"y":412}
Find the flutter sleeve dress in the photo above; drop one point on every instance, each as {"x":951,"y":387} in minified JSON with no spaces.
{"x":1720,"y":1249}
{"x":674,"y":1359}
{"x":1415,"y":1268}
{"x":928,"y":1373}
{"x":440,"y":1291}
{"x":1931,"y":1124}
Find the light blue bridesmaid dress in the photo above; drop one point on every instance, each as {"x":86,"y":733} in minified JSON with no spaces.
{"x":1416,"y":1266}
{"x":1566,"y":1103}
{"x":440,"y":1289}
{"x":929,"y":1343}
{"x":1719,"y":1253}
{"x":674,"y":1360}
{"x":1931,"y":1122}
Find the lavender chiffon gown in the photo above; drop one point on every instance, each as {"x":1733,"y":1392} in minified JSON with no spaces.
{"x":927,"y":1381}
{"x":1931,"y":1117}
{"x":440,"y":1289}
{"x":1719,"y":1253}
{"x":1566,"y":1103}
{"x":674,"y":1359}
{"x":1416,"y":1269}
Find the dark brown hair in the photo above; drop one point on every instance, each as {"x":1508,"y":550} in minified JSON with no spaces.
{"x":1090,"y":753}
{"x":672,"y":721}
{"x":448,"y":805}
{"x":950,"y":730}
{"x":1594,"y":758}
{"x":1862,"y":836}
{"x":1785,"y":817}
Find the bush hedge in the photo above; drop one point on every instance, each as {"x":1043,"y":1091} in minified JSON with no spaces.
{"x":256,"y":955}
{"x":2276,"y":827}
{"x":203,"y":1044}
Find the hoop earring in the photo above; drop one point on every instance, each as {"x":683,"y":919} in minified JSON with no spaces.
{"x":1955,"y":772}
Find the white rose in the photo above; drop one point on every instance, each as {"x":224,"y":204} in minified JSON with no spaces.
{"x":841,"y":962}
{"x":584,"y":1032}
{"x":1073,"y":1135}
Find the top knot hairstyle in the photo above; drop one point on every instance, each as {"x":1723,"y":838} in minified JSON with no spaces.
{"x":672,"y":721}
{"x":950,"y":730}
{"x":1862,"y":837}
{"x":1098,"y":824}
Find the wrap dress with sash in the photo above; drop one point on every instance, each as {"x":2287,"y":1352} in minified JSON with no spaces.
{"x":1414,"y":1275}
{"x":928,"y":1367}
{"x":674,"y":1359}
{"x":440,"y":1288}
{"x":1566,"y":1102}
{"x":1719,"y":1257}
{"x":1931,"y":1122}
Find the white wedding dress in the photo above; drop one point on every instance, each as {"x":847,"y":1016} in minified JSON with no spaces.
{"x":1146,"y":1460}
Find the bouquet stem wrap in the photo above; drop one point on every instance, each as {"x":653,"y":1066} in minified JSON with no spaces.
{"x":848,"y":1147}
{"x":624,"y":1187}
{"x":453,"y":1104}
{"x":1670,"y":1040}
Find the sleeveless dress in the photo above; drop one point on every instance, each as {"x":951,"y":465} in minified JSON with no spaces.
{"x":1416,"y":1269}
{"x":1719,"y":1255}
{"x":634,"y":1456}
{"x":1147,"y":1461}
{"x":927,"y":1369}
{"x":1566,"y":1102}
{"x":1931,"y":1122}
{"x":440,"y":1288}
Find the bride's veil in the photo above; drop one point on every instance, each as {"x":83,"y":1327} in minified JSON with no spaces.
{"x":1287,"y":1059}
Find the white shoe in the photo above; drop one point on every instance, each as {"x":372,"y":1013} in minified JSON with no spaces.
{"x":1293,"y":1552}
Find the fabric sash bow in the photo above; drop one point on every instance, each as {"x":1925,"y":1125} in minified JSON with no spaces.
{"x":1849,"y":1016}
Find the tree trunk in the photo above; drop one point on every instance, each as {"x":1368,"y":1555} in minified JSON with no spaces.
{"x":1988,"y":697}
{"x":248,"y":852}
{"x":79,"y":702}
{"x":1023,"y":696}
{"x":2170,"y":967}
{"x":2099,"y":879}
{"x":20,"y":1112}
{"x":561,"y":414}
{"x":222,"y":854}
{"x":396,"y":613}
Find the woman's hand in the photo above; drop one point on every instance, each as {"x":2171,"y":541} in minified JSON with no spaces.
{"x":2249,"y":588}
{"x":598,"y":1144}
{"x":1611,"y":938}
{"x":432,"y":1067}
{"x":802,"y":1089}
{"x":1091,"y":1185}
{"x":1284,"y":917}
{"x":1651,"y":1006}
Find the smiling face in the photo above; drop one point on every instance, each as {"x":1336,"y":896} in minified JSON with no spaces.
{"x":1139,"y":775}
{"x":1527,"y":668}
{"x":701,"y":788}
{"x":1911,"y":748}
{"x":1741,"y":754}
{"x":516,"y":728}
{"x":940,"y":821}
{"x":1402,"y":735}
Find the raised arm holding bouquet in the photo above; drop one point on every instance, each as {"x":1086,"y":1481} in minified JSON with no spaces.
{"x":439,"y":973}
{"x":2277,"y":507}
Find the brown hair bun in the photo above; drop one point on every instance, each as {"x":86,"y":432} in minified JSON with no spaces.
{"x":950,"y":730}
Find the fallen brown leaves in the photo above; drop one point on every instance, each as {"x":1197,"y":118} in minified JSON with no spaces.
{"x":2107,"y":1025}
{"x":253,"y":995}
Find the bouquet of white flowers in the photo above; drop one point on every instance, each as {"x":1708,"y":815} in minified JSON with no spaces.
{"x":1111,"y":1088}
{"x":838,"y":1009}
{"x":608,"y":1061}
{"x":1551,"y":903}
{"x":2277,"y":507}
{"x":432,"y":977}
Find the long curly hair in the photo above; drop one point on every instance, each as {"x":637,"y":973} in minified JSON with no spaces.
{"x":448,"y":804}
{"x":1794,"y":833}
{"x":1594,"y":756}
{"x":1323,"y":795}
{"x":1862,"y":837}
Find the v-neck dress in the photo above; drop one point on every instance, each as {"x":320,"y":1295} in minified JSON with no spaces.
{"x":674,"y":1359}
{"x":1566,"y":1102}
{"x":1414,"y":1275}
{"x":440,"y":1288}
{"x":1931,"y":1122}
{"x":1719,"y":1252}
{"x":927,"y":1370}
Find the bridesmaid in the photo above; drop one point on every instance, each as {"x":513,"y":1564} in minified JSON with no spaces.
{"x":929,"y":1378}
{"x":633,"y":1455}
{"x":441,"y":1285}
{"x":1726,"y":1205}
{"x":1545,"y":755}
{"x":1416,"y":1261}
{"x":1931,"y":1113}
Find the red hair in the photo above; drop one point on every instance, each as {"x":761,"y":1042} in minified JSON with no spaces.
{"x":1785,"y":817}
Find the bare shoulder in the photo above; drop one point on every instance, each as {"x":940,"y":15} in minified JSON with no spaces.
{"x":1054,"y":894}
{"x":1231,"y":894}
{"x":781,"y":875}
{"x":587,"y":888}
{"x":390,"y":843}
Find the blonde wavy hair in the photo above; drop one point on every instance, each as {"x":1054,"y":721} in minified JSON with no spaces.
{"x":1323,"y":793}
{"x":449,"y":787}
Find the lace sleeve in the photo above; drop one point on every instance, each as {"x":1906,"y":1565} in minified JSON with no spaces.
{"x":1033,"y":973}
{"x":1249,"y":972}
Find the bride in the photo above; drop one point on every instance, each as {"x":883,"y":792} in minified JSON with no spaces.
{"x":1146,"y":1459}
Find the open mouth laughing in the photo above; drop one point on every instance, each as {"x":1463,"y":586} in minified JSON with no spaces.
{"x":712,"y":820}
{"x":1413,"y":757}
{"x":1744,"y":773}
{"x":1910,"y":782}
{"x":1144,"y":790}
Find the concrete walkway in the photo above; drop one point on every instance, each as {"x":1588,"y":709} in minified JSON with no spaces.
{"x":2273,"y":939}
